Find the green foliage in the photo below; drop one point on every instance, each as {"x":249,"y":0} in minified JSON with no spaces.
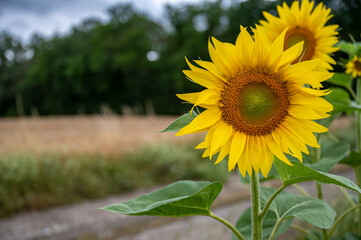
{"x":330,"y":155}
{"x":352,"y":236}
{"x":284,"y":208}
{"x":340,"y":99}
{"x":104,"y":63}
{"x":184,"y":198}
{"x":244,"y":225}
{"x":353,"y":160}
{"x":301,"y":173}
{"x":181,"y":122}
{"x":341,"y":79}
{"x":97,"y":64}
{"x":313,"y":211}
{"x":32,"y":182}
{"x":351,"y":48}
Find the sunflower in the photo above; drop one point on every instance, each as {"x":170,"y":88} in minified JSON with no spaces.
{"x":354,"y":67}
{"x":305,"y":24}
{"x":256,"y":103}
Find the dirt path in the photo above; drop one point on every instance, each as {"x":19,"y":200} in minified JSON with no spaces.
{"x":85,"y":221}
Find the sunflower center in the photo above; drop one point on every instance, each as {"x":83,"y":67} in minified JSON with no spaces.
{"x":254,"y":102}
{"x":257,"y":101}
{"x":357,"y":65}
{"x":298,"y":34}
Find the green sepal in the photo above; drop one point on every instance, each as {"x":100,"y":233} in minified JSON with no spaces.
{"x":183,"y":198}
{"x":181,"y":122}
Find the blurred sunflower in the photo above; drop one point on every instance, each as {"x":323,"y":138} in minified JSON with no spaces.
{"x":354,"y":67}
{"x":256,"y":105}
{"x":306,"y":24}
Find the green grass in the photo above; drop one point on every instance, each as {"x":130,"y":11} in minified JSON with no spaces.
{"x":29,"y":181}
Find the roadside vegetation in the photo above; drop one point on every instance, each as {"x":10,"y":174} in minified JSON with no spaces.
{"x":32,"y":181}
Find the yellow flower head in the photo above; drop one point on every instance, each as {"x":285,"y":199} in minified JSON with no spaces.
{"x":305,"y":24}
{"x":354,"y":67}
{"x":256,"y":105}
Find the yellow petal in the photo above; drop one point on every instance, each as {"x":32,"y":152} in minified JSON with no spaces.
{"x":291,"y":54}
{"x":201,"y":145}
{"x":205,"y":79}
{"x":244,"y":47}
{"x":208,"y":97}
{"x":221,"y":134}
{"x":220,"y":57}
{"x":303,"y":112}
{"x":202,"y":121}
{"x":276,"y":150}
{"x":237,"y":146}
{"x":212,"y":68}
{"x":301,"y":68}
{"x":305,"y":136}
{"x":276,"y":50}
{"x":224,"y":151}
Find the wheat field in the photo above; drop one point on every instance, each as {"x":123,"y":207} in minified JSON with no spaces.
{"x":98,"y":134}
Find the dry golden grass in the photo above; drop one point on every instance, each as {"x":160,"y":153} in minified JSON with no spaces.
{"x":100,"y":134}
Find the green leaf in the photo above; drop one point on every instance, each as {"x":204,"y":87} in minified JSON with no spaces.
{"x":341,"y":79}
{"x":301,"y":173}
{"x":351,"y":48}
{"x":181,"y":122}
{"x":183,"y":198}
{"x":340,"y":100}
{"x":244,"y":225}
{"x":286,"y":205}
{"x":331,"y":155}
{"x":353,"y":160}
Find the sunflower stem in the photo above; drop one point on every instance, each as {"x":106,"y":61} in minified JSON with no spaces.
{"x":342,"y":217}
{"x":353,"y":94}
{"x":256,"y":208}
{"x":315,"y":158}
{"x":358,"y":142}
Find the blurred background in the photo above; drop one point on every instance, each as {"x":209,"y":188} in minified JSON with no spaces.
{"x":86,"y":85}
{"x":81,"y":57}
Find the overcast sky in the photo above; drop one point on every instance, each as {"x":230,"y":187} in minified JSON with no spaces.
{"x":24,"y":17}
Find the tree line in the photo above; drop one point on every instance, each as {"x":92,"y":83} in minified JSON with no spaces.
{"x":130,"y":63}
